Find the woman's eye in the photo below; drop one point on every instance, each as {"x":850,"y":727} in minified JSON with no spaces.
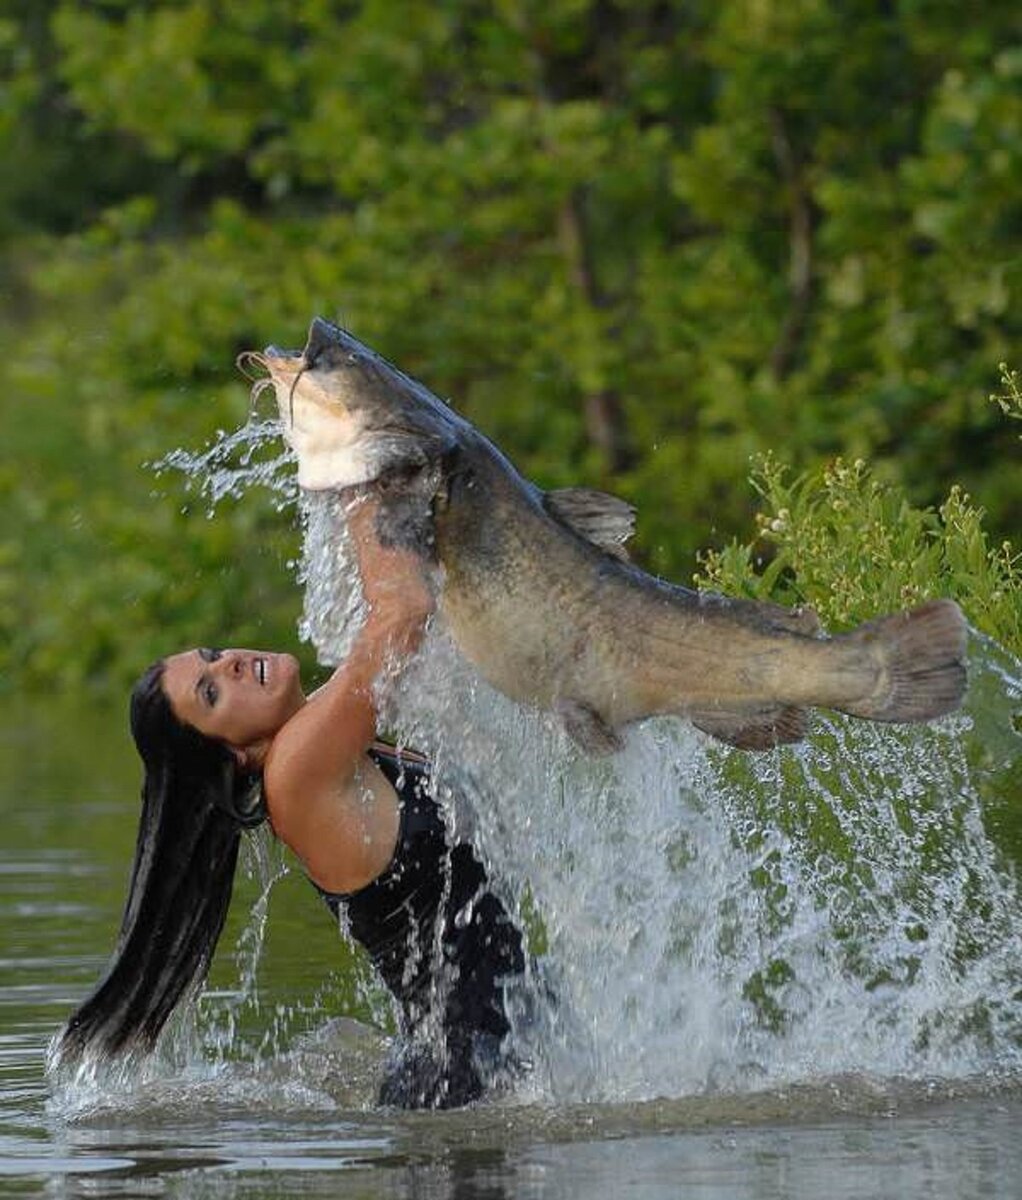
{"x":210,"y":693}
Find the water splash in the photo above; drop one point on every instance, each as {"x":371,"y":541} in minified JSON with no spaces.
{"x":218,"y":1020}
{"x":707,"y":921}
{"x":203,"y":1036}
{"x":715,"y":920}
{"x":334,"y":606}
{"x":252,"y":456}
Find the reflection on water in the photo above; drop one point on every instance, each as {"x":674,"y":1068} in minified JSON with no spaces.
{"x":969,"y":1148}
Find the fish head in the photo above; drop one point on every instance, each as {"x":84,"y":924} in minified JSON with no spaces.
{"x":350,"y":416}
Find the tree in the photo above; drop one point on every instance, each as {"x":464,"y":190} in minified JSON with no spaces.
{"x":636,"y":243}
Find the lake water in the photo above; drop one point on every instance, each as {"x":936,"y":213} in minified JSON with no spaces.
{"x":707,"y":1072}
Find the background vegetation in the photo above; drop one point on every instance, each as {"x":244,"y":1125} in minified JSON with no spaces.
{"x":636,"y":242}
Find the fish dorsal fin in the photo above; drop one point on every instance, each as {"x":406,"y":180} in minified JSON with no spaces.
{"x":606,"y":521}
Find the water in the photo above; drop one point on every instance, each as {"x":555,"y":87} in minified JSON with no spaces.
{"x":781,"y":975}
{"x":715,"y":920}
{"x":250,"y":456}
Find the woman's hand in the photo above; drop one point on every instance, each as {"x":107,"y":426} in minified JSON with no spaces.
{"x":396,"y":589}
{"x":323,"y":744}
{"x":326,"y":800}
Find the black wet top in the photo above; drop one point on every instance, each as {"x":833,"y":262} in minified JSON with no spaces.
{"x":442,"y":941}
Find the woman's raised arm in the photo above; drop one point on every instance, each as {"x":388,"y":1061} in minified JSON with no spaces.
{"x":317,"y":779}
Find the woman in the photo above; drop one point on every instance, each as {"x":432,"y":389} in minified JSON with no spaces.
{"x":227,"y":737}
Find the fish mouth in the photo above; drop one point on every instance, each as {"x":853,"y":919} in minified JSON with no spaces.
{"x":327,"y":345}
{"x":281,"y":365}
{"x":247,"y":805}
{"x":348,"y":414}
{"x":273,"y":359}
{"x":284,"y":369}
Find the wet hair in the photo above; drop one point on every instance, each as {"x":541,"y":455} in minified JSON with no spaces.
{"x":195,"y":802}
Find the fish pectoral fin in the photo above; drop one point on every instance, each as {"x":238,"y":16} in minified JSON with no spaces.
{"x":606,"y":521}
{"x":405,"y":515}
{"x":761,"y":730}
{"x":586,"y":728}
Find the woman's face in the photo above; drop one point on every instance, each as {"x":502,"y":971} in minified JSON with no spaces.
{"x":241,"y":697}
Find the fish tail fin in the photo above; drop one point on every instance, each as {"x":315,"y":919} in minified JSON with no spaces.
{"x":921,"y":656}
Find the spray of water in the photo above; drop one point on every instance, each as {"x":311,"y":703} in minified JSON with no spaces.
{"x":251,"y":456}
{"x":711,"y":919}
{"x":703,"y":920}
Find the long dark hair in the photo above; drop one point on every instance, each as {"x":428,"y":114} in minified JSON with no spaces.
{"x":195,"y":801}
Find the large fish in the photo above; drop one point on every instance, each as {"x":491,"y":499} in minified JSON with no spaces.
{"x":539,"y":594}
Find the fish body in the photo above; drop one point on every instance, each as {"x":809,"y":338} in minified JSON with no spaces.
{"x":540,"y":597}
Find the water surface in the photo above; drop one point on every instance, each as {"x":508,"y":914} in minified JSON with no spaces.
{"x":266,"y":1094}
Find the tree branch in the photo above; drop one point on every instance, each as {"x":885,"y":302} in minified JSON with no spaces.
{"x":800,"y":240}
{"x":602,"y":409}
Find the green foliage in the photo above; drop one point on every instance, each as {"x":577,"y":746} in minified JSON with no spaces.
{"x":1010,"y":400}
{"x":636,"y":243}
{"x":852,"y":547}
{"x":849,"y":544}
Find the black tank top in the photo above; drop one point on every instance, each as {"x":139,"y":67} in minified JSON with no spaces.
{"x":444,"y":944}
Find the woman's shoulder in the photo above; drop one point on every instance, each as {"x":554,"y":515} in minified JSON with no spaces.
{"x":321,"y":747}
{"x":344,"y":835}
